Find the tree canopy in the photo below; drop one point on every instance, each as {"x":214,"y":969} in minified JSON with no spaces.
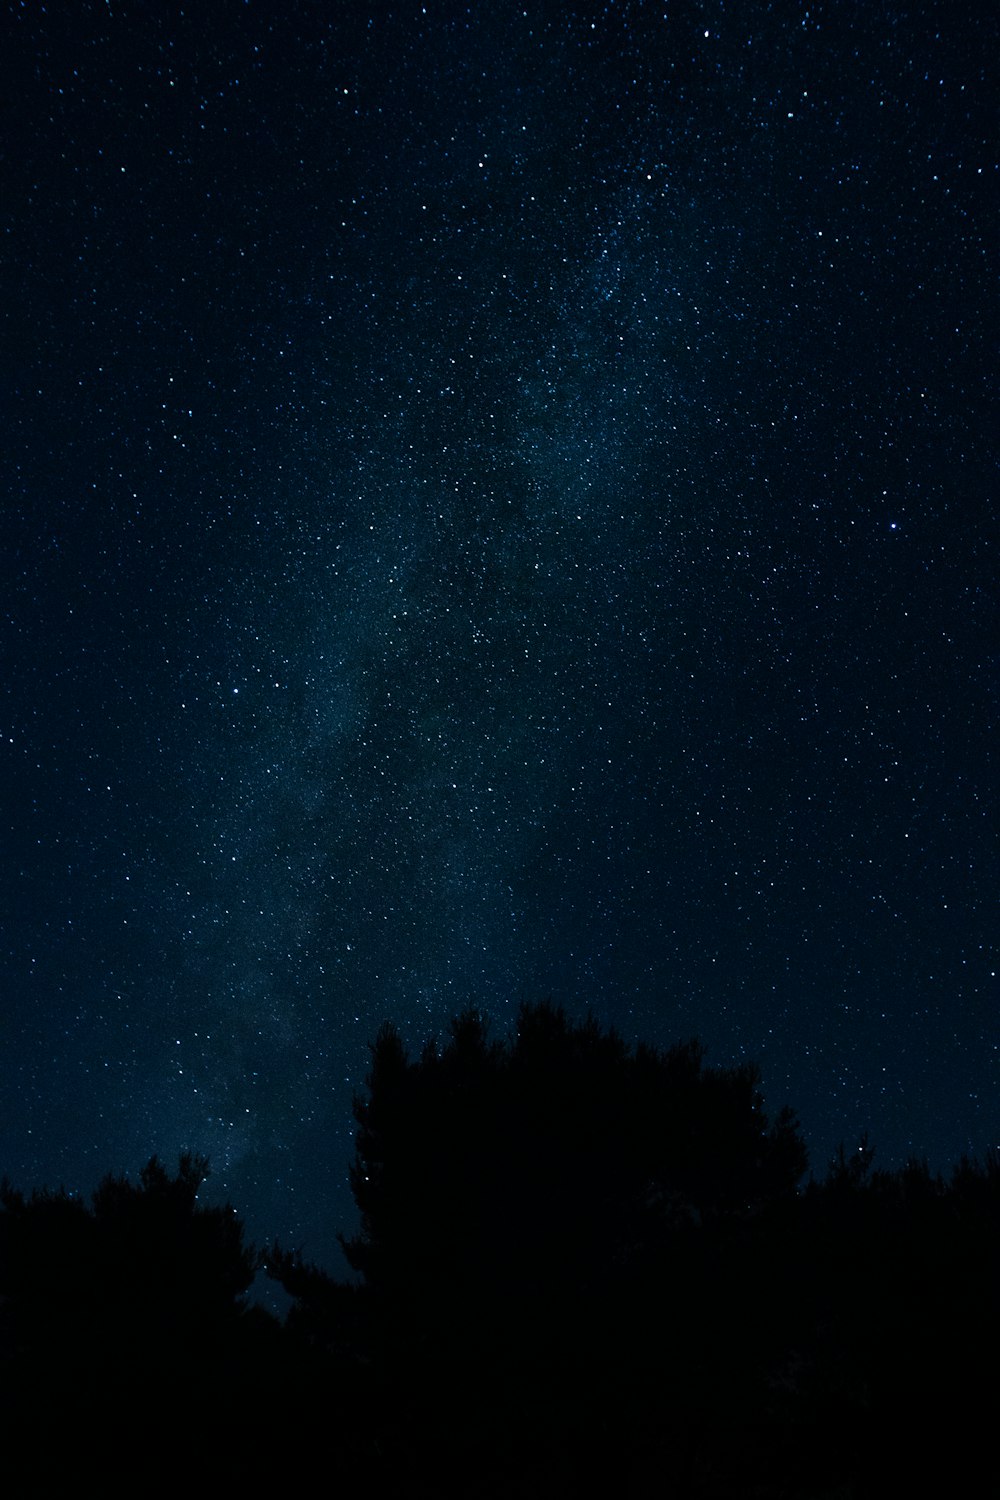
{"x":540,"y":1158}
{"x":582,"y":1261}
{"x":579,"y":1262}
{"x":131,"y":1304}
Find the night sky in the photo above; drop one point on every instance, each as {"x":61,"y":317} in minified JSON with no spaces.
{"x":496,"y":507}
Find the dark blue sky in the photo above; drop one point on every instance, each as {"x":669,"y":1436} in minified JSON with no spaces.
{"x":497,"y":506}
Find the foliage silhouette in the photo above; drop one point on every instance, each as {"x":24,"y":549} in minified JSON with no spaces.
{"x":131,"y":1305}
{"x":141,"y":1254}
{"x":579,"y":1263}
{"x":585,"y":1263}
{"x":526,"y":1206}
{"x":541,"y":1159}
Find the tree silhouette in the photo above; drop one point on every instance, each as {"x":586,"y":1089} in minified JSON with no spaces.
{"x":526,"y":1206}
{"x":579,"y":1263}
{"x":545,"y":1157}
{"x":584,"y":1263}
{"x":133,"y":1303}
